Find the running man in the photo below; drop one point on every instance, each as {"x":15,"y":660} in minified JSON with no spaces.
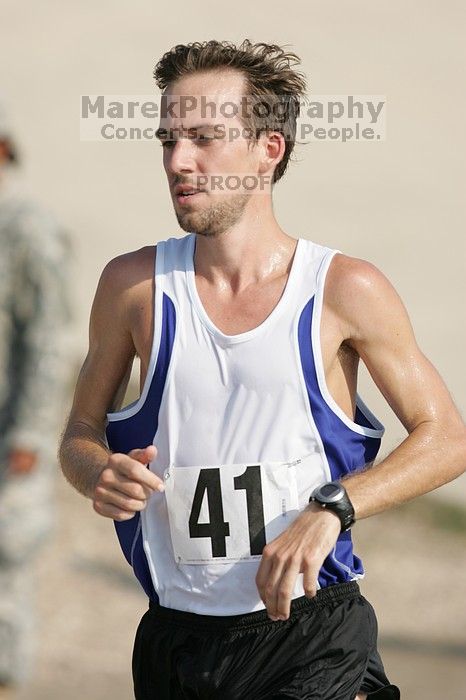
{"x":236,"y":476}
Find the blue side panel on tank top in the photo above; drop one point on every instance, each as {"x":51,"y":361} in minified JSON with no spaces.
{"x":137,"y":431}
{"x":346,"y":451}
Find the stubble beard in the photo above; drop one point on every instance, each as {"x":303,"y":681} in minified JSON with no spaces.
{"x":216,"y":219}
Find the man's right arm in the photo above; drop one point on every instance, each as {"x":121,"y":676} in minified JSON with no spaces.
{"x":119,"y":485}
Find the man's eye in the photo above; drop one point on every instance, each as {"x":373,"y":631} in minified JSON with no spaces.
{"x":167,"y":144}
{"x":204,"y":139}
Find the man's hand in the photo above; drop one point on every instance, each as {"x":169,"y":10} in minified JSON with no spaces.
{"x":301,"y":548}
{"x":125,"y":485}
{"x":21,"y":461}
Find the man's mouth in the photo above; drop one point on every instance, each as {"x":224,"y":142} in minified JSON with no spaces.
{"x":183,"y":194}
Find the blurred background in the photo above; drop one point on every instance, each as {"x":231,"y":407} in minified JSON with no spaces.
{"x":398,"y":203}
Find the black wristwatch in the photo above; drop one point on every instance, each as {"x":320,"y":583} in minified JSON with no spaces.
{"x":333,"y":496}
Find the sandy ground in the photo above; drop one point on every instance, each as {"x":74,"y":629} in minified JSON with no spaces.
{"x":90,"y":606}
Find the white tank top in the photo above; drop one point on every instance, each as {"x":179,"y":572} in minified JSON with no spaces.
{"x":245,"y":429}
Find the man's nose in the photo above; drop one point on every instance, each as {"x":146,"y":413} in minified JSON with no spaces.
{"x":180,"y":158}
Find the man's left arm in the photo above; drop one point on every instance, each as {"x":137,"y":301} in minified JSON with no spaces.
{"x":379,"y":330}
{"x":374,"y":322}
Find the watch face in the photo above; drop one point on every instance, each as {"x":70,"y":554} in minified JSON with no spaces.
{"x":331,"y":493}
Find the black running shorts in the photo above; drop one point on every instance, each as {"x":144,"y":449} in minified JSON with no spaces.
{"x":326,"y":650}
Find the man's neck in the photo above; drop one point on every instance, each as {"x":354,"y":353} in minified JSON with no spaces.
{"x":254,"y":249}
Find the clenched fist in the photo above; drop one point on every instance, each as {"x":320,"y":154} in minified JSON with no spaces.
{"x":125,"y":485}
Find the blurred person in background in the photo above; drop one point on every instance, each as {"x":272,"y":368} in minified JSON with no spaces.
{"x":34,"y":312}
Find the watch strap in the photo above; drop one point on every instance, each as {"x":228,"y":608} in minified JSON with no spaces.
{"x":343,"y":508}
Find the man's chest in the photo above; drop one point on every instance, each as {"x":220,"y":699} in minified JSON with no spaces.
{"x":231,"y":315}
{"x":245,"y":312}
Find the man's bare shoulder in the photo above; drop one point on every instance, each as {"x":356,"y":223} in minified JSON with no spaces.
{"x":125,"y":284}
{"x":129,"y":269}
{"x":359,"y":294}
{"x":347,"y":272}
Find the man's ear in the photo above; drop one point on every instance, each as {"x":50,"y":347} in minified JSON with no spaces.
{"x":272,"y":146}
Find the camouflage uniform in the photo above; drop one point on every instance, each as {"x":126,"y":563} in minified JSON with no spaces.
{"x":33,"y":315}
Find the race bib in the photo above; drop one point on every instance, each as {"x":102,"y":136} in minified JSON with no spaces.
{"x":220,"y":514}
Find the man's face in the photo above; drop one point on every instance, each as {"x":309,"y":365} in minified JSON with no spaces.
{"x":207,"y":151}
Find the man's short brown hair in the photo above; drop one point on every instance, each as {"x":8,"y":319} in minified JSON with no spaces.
{"x":270,"y":80}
